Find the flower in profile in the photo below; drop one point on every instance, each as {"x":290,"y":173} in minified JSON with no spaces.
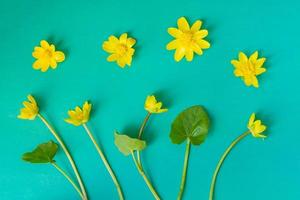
{"x":121,"y":50}
{"x":256,"y":127}
{"x":152,"y":106}
{"x":248,"y":69}
{"x":187,"y":39}
{"x":30,"y":110}
{"x":46,"y":56}
{"x":79,"y":116}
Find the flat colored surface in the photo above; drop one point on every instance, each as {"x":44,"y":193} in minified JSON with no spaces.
{"x":255,"y":169}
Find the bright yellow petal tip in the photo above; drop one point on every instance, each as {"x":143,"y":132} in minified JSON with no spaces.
{"x":249,"y":68}
{"x":256,"y":127}
{"x":46,"y":56}
{"x":30,"y":109}
{"x":187,"y":40}
{"x":153,"y":106}
{"x":79,"y":116}
{"x":120,"y":49}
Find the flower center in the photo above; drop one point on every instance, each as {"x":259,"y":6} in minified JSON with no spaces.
{"x":121,"y":49}
{"x":187,"y":38}
{"x":48,"y":53}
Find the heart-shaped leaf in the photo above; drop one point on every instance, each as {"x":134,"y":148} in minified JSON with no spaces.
{"x":127,"y":144}
{"x":192,"y":123}
{"x":43,"y":153}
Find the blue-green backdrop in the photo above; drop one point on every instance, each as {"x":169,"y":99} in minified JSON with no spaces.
{"x":256,"y":169}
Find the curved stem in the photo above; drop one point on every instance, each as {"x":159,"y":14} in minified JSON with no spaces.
{"x":141,"y":132}
{"x":185,"y":166}
{"x":68,"y":178}
{"x":141,"y":171}
{"x":213,"y":182}
{"x":66,"y":151}
{"x":101,"y":154}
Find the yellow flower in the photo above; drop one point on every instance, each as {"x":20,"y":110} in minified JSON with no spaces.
{"x":30,"y":109}
{"x":187,"y":40}
{"x":152,"y":106}
{"x":248,"y":69}
{"x":79,"y":116}
{"x":46,"y":56}
{"x":120,"y":49}
{"x":255,"y":127}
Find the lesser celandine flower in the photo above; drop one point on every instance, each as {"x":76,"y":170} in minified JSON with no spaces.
{"x":30,"y":110}
{"x":188,"y":40}
{"x":249,"y":68}
{"x":80,"y":116}
{"x":121,"y":49}
{"x":46,"y":56}
{"x":255,"y":128}
{"x":153,"y":106}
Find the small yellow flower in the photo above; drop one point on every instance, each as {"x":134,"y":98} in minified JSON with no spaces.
{"x":120,"y":49}
{"x":46,"y":56}
{"x":187,"y":40}
{"x":30,"y":109}
{"x":255,"y":127}
{"x":79,"y":116}
{"x":152,"y":106}
{"x":248,"y":69}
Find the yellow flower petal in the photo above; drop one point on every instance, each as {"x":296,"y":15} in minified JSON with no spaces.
{"x":59,"y":56}
{"x":196,"y":48}
{"x":79,"y":116}
{"x":189,"y":55}
{"x":183,"y":24}
{"x":152,"y":106}
{"x":123,"y":38}
{"x":203,"y":44}
{"x":259,"y":63}
{"x":112,"y":57}
{"x":196,"y":26}
{"x":130,"y":42}
{"x":172,"y":45}
{"x":253,"y":57}
{"x":44,"y":44}
{"x":243,"y":58}
{"x":179,"y":54}
{"x":175,"y":32}
{"x":200,"y":34}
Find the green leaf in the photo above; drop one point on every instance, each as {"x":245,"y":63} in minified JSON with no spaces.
{"x":43,"y":153}
{"x":192,"y":123}
{"x":127,"y":144}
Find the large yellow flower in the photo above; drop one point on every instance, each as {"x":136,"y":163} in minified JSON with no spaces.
{"x":256,"y":127}
{"x":46,"y":56}
{"x":79,"y":116}
{"x":30,"y":110}
{"x":187,"y":40}
{"x":120,"y":49}
{"x":152,"y":106}
{"x":248,"y":69}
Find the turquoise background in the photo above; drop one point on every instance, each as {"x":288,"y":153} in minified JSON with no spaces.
{"x":255,"y":169}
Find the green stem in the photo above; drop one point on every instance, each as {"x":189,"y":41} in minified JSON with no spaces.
{"x":185,"y":166}
{"x":68,"y":178}
{"x":141,"y":132}
{"x":141,"y":171}
{"x":102,"y":156}
{"x":213,"y":182}
{"x":66,"y":151}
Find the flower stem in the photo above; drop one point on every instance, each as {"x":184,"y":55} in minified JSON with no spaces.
{"x":185,"y":166}
{"x":68,"y":178}
{"x":141,"y":171}
{"x":66,"y":151}
{"x":141,"y":133}
{"x":213,"y":182}
{"x":101,"y":154}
